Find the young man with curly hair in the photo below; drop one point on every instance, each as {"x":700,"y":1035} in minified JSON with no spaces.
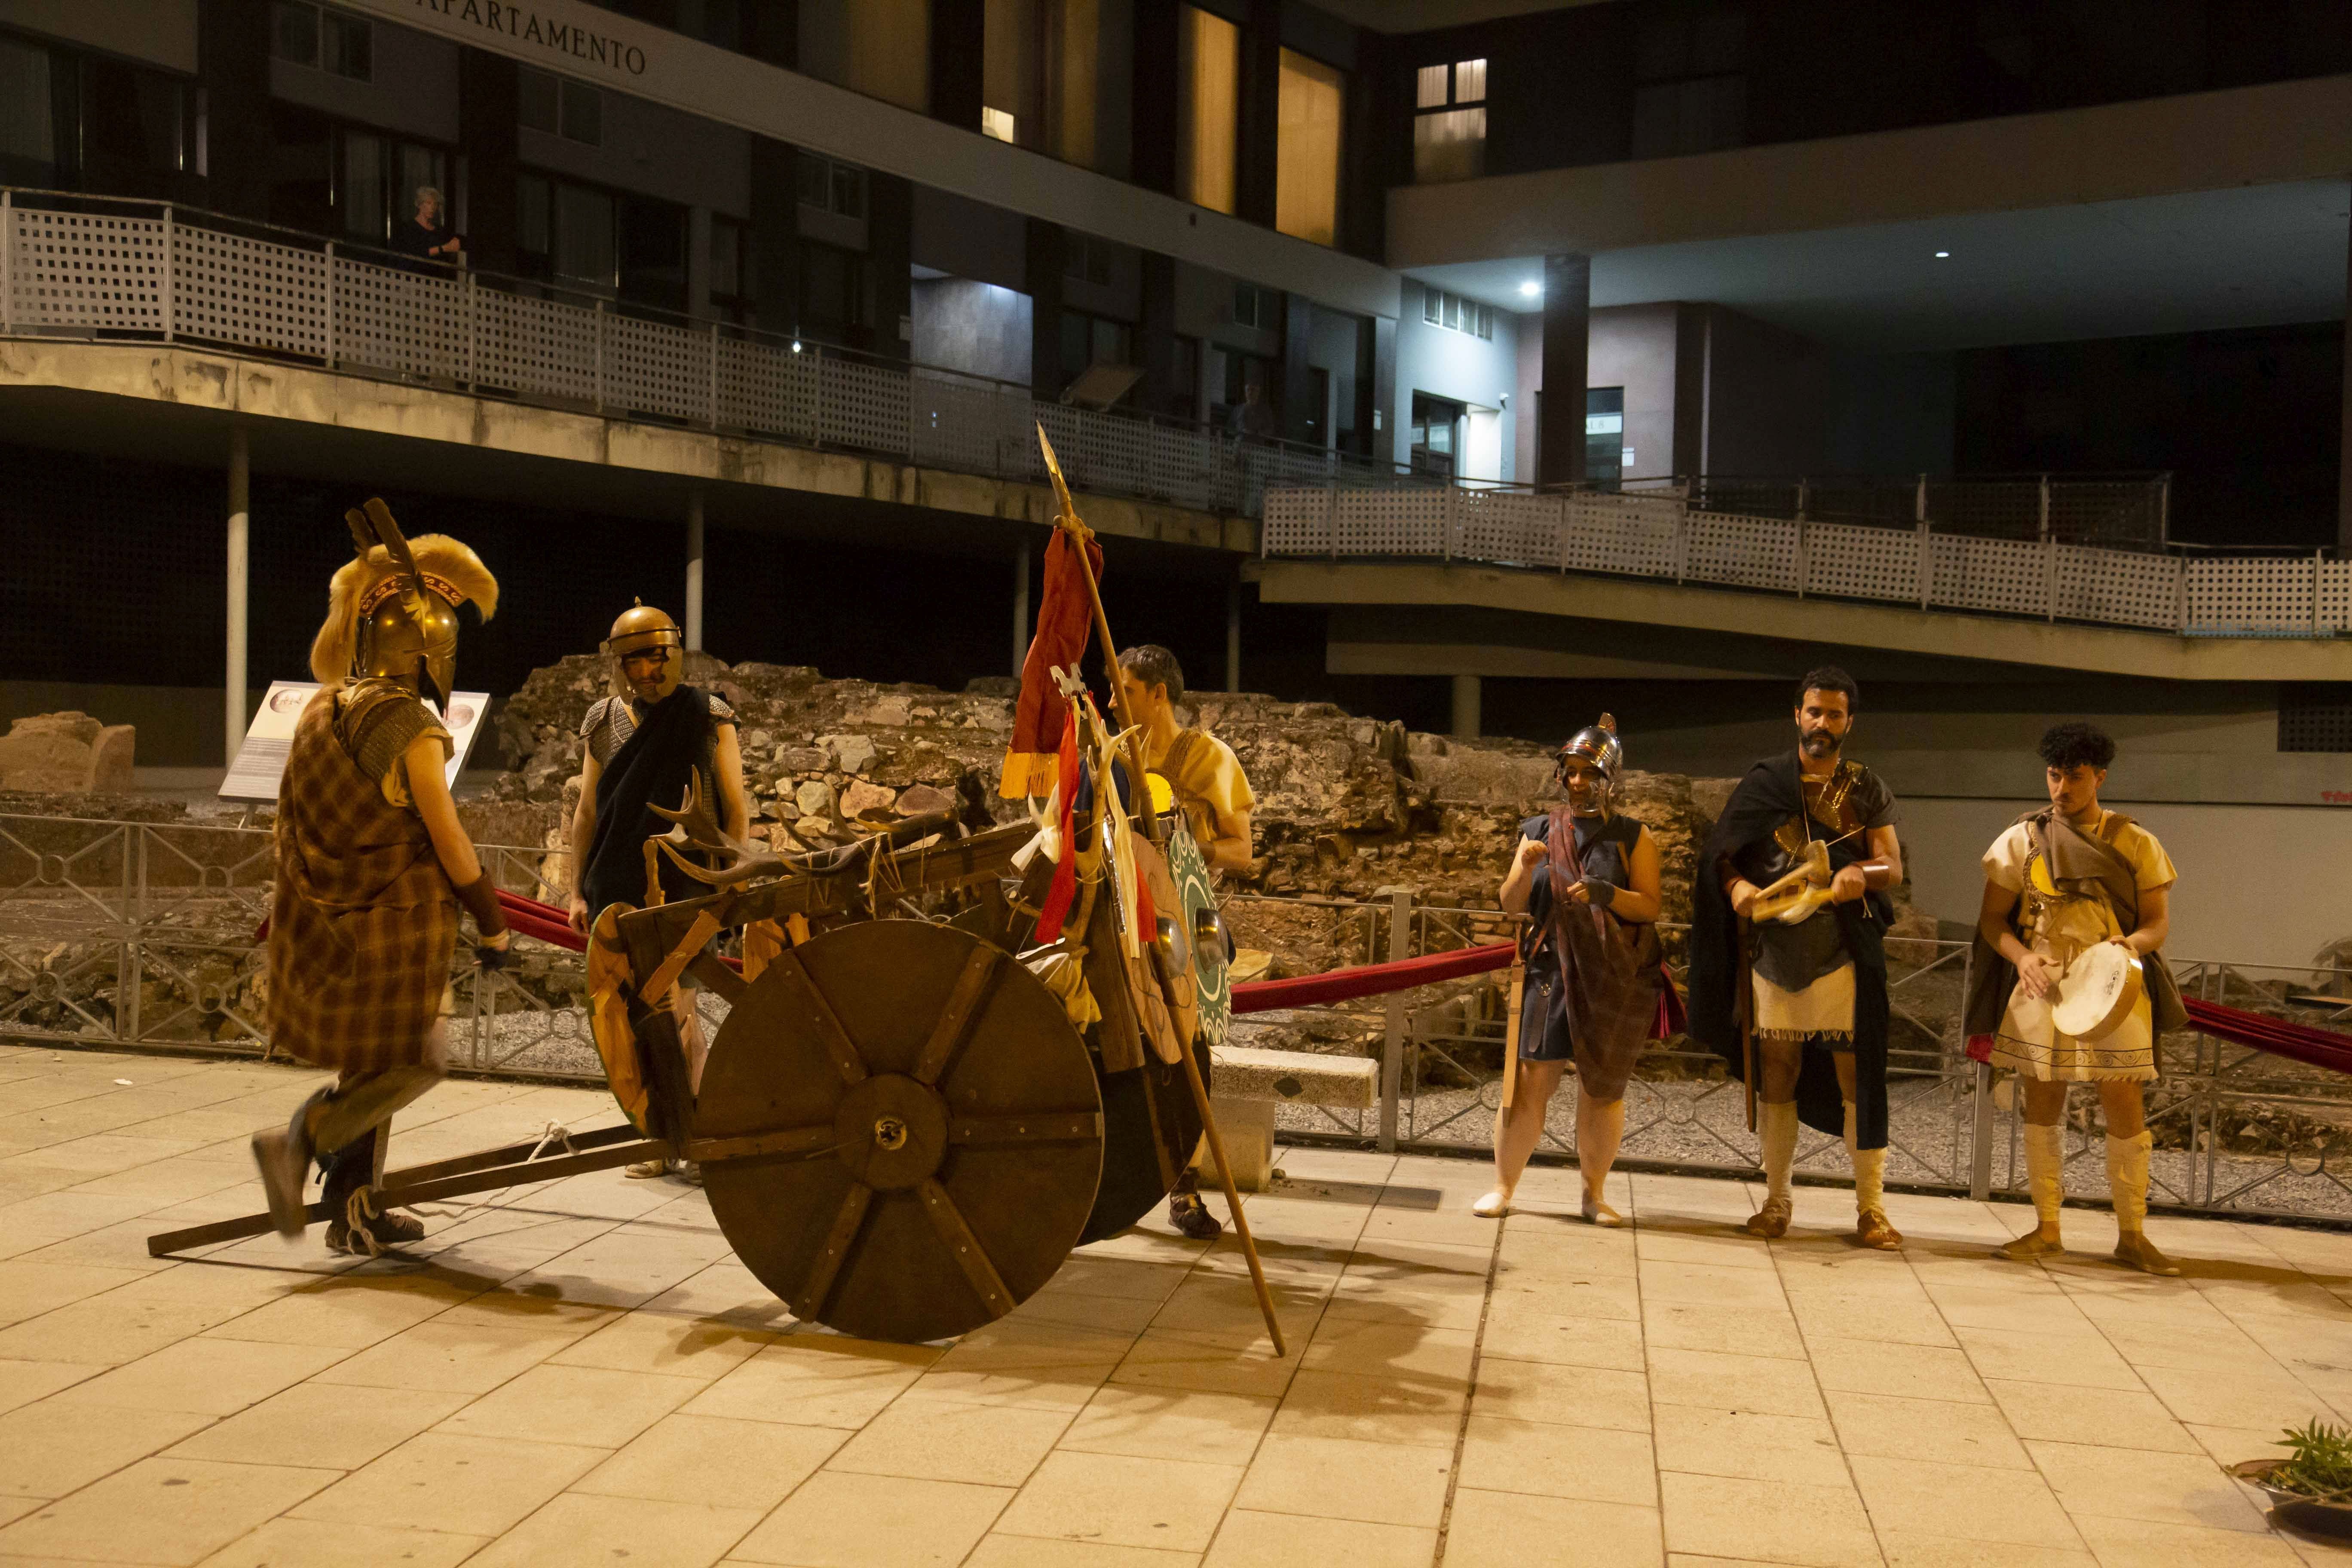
{"x":2059,"y":882}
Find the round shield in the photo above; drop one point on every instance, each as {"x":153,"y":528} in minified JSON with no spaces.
{"x":899,"y":1131}
{"x":1206,"y":928}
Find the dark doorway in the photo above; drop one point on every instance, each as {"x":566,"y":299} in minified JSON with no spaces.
{"x":1436,"y":435}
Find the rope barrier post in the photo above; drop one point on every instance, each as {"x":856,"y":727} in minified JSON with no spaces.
{"x":1392,"y":1042}
{"x":1980,"y":1133}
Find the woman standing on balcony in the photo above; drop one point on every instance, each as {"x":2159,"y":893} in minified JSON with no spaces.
{"x":1596,"y":990}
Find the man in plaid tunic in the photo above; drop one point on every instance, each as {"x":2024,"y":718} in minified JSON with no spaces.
{"x":372,"y":868}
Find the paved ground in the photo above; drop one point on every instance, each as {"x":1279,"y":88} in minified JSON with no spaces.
{"x":579,"y":1371}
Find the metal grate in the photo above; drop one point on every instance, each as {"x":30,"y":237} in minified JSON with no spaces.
{"x":2315,"y":718}
{"x":162,"y":273}
{"x":2247,"y":596}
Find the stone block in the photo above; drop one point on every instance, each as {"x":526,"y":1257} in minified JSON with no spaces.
{"x":921,"y":798}
{"x":1301,"y":1077}
{"x":66,"y":753}
{"x":1247,"y":1127}
{"x":814,"y":798}
{"x":861,"y":797}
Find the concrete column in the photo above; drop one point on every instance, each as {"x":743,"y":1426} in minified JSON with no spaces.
{"x":1466,"y":707}
{"x":1233,"y":636}
{"x":240,"y":592}
{"x":1020,"y":608}
{"x":693,"y":570}
{"x":1567,"y":334}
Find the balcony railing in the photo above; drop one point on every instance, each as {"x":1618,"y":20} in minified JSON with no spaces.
{"x":110,"y":269}
{"x":1925,"y":565}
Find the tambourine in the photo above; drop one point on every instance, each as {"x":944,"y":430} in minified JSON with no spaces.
{"x":2096,"y":992}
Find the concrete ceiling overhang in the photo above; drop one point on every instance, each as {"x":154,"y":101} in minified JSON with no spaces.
{"x":2208,"y":211}
{"x":1727,"y":618}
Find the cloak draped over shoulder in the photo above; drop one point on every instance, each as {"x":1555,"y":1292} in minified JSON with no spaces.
{"x":1769,"y":795}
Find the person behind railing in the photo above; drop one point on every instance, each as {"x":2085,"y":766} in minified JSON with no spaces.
{"x":424,"y":236}
{"x":2059,"y":882}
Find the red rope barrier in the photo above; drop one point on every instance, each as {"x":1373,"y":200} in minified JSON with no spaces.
{"x":1369,"y":979}
{"x":2296,"y":1042}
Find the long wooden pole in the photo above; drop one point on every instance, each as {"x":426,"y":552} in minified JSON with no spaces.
{"x":1078,"y":535}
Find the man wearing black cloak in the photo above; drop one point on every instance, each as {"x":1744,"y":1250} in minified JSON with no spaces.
{"x":1787,"y":963}
{"x":655,"y":741}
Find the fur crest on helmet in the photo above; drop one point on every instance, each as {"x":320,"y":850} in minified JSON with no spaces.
{"x":449,"y":568}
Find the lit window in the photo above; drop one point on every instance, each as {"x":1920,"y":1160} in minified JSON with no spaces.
{"x":1208,"y":105}
{"x":1307,"y":148}
{"x":1449,"y":139}
{"x":997,"y":123}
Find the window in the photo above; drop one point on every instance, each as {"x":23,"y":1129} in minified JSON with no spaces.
{"x":1604,"y":436}
{"x":835,"y":296}
{"x":1087,"y":260}
{"x":1208,"y":105}
{"x":29,"y":139}
{"x":833,"y":187}
{"x":1183,"y":392}
{"x":1690,"y":68}
{"x":1455,"y":314}
{"x":996,"y":124}
{"x":564,"y":234}
{"x":1307,"y":148}
{"x":304,"y":35}
{"x":1449,"y":138}
{"x":560,"y":107}
{"x":1090,"y":339}
{"x":376,"y":181}
{"x":730,"y":271}
{"x":1257,"y":307}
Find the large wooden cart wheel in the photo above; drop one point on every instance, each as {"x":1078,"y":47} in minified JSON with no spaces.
{"x":917,"y":1130}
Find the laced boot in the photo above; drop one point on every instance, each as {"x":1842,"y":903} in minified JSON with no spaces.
{"x":1776,"y":1129}
{"x":2127,"y":1180}
{"x":2045,"y":1178}
{"x":370,"y":1231}
{"x":1191,"y":1217}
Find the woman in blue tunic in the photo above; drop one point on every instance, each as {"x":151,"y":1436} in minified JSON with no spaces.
{"x":1596,"y":991}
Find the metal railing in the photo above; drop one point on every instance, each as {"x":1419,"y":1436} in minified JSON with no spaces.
{"x":118,"y":270}
{"x":142,"y":935}
{"x":1923,"y":565}
{"x":2122,"y":512}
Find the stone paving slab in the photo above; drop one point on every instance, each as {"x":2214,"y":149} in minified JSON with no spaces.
{"x":579,"y":1370}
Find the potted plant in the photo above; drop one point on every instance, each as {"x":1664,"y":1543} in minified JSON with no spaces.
{"x":2310,"y":1488}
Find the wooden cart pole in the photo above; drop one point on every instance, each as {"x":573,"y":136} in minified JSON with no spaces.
{"x":1079,"y":533}
{"x":1233,"y":1203}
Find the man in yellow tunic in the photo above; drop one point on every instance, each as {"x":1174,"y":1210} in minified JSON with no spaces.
{"x":1214,"y":794}
{"x":2059,"y":882}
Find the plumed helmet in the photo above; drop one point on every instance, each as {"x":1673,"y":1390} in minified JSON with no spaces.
{"x":1596,"y":743}
{"x":391,"y":608}
{"x":641,"y":627}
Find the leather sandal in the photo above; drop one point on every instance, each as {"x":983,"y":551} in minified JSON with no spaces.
{"x":1871,"y":1229}
{"x":2135,"y":1250}
{"x":1771,"y":1221}
{"x":2028,"y":1246}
